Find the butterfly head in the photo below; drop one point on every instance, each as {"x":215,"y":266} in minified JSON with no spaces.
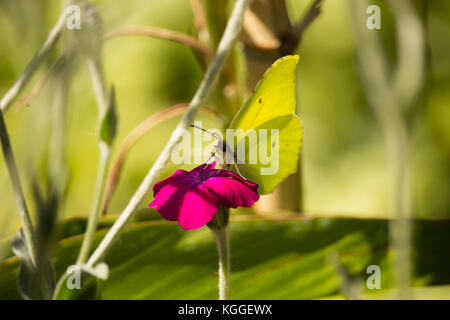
{"x":223,"y":153}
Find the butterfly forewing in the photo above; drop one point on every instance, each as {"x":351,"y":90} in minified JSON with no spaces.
{"x":270,"y":107}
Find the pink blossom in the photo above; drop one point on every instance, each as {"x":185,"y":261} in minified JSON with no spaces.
{"x":193,"y":197}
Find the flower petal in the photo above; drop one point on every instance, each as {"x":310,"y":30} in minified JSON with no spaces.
{"x":193,"y":197}
{"x":232,"y":190}
{"x":229,"y":174}
{"x":197,"y":208}
{"x":180,"y":176}
{"x":169,"y":193}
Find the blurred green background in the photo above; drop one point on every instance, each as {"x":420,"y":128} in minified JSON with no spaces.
{"x":344,"y":158}
{"x":344,"y":161}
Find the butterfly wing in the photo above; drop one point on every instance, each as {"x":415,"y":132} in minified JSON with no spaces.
{"x":271,"y":106}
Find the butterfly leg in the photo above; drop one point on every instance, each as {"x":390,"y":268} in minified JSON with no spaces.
{"x":239,"y":172}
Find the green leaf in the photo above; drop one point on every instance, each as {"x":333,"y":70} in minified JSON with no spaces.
{"x":280,"y":259}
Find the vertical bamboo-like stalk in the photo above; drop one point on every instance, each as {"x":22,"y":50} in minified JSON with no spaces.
{"x":391,"y":101}
{"x":268,"y":35}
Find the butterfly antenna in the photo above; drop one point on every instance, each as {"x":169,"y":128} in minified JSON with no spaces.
{"x":212,"y":155}
{"x":214,"y":134}
{"x":239,"y":172}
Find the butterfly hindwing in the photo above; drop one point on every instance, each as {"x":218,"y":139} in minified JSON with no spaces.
{"x":271,"y":107}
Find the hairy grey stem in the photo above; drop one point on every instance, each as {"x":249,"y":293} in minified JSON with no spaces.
{"x":100,"y":89}
{"x":231,"y":31}
{"x":223,"y":250}
{"x":33,"y":65}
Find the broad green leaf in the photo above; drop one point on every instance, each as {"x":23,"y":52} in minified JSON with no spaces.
{"x":76,"y":226}
{"x":280,"y":259}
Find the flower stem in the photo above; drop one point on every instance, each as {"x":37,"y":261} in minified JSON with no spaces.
{"x":100,"y":89}
{"x":222,"y":237}
{"x":11,"y":165}
{"x":228,"y":38}
{"x":100,"y":186}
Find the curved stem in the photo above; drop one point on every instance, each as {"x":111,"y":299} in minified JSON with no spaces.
{"x":38,"y":86}
{"x":159,"y":33}
{"x":59,"y":285}
{"x":33,"y":65}
{"x":200,"y":19}
{"x":163,"y":34}
{"x":229,"y":36}
{"x":130,"y":141}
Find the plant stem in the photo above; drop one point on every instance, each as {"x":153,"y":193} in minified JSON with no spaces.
{"x":100,"y":186}
{"x":226,"y":43}
{"x":98,"y":82}
{"x":400,"y":224}
{"x":130,"y":141}
{"x":165,"y":34}
{"x":59,"y":285}
{"x":25,"y":218}
{"x":222,"y":237}
{"x":140,"y":130}
{"x":33,"y":65}
{"x":390,"y":99}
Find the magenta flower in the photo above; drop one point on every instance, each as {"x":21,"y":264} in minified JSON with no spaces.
{"x":193,"y":197}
